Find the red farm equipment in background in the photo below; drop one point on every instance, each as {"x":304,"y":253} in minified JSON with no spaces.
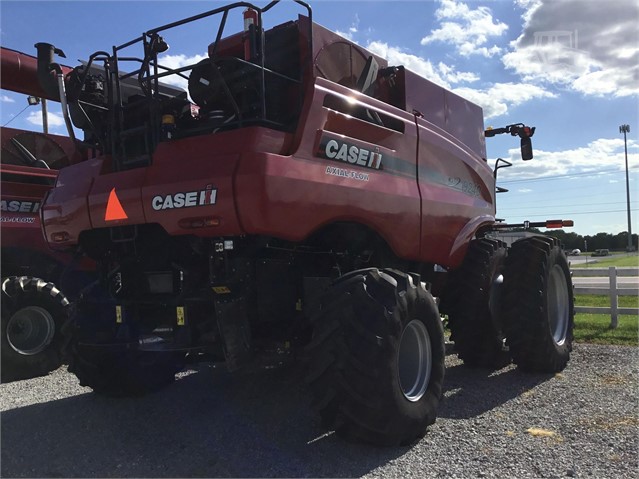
{"x":33,"y":305}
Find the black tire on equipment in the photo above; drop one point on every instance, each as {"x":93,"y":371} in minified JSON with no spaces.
{"x":33,"y":312}
{"x":538,"y":305}
{"x":472,"y":304}
{"x":126,"y":373}
{"x":101,"y":361}
{"x":365,"y":321}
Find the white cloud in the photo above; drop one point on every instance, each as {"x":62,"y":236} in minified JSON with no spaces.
{"x":499,"y":97}
{"x":605,"y":154}
{"x":495,"y":100}
{"x":529,"y":7}
{"x":469,"y":30}
{"x":456,"y":77}
{"x":441,"y":74}
{"x":525,"y":190}
{"x":6,"y":99}
{"x":591,"y":47}
{"x":352,"y":30}
{"x":178,"y":61}
{"x":396,"y":56}
{"x":54,"y":119}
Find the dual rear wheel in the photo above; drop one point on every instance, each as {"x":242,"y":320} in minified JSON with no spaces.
{"x":538,"y":305}
{"x":513,"y":304}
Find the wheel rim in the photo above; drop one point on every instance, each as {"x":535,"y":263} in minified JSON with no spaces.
{"x":30,"y":330}
{"x":494,"y":296}
{"x":414,"y":360}
{"x":558,"y":305}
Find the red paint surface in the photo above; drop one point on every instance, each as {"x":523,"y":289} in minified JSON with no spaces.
{"x":427,"y":203}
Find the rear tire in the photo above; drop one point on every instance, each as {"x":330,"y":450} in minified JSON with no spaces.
{"x":472,"y":303}
{"x":33,"y":312}
{"x":377,"y":358}
{"x":538,"y":305}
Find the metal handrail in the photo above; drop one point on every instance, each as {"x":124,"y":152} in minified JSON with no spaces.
{"x":150,"y":71}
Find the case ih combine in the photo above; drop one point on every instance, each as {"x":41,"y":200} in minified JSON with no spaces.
{"x":302,"y":195}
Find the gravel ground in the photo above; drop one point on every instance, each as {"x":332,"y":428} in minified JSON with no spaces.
{"x":211,"y":424}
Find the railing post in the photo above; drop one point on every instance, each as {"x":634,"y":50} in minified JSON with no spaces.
{"x":614,"y":301}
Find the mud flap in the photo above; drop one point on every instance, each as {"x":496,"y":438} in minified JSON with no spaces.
{"x":233,"y":323}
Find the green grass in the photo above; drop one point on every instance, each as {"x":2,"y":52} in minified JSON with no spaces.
{"x":604,"y":301}
{"x":631,"y":260}
{"x":595,"y":328}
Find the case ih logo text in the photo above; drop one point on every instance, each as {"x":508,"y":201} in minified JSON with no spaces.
{"x":349,"y":153}
{"x":16,"y":206}
{"x":185,"y":200}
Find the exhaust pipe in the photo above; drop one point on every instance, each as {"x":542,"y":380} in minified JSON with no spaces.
{"x":46,"y":68}
{"x":51,"y":78}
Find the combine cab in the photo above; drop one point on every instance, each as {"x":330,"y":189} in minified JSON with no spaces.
{"x":302,"y":195}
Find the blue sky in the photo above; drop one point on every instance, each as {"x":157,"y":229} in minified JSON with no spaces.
{"x":570,"y":68}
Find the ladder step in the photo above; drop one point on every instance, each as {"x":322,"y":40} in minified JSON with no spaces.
{"x":138,"y":130}
{"x":141,"y":159}
{"x":135,"y":104}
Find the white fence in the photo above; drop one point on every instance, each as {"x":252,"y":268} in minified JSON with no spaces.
{"x":611,"y":291}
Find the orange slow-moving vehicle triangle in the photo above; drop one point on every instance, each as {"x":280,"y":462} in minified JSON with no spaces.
{"x":114,"y":210}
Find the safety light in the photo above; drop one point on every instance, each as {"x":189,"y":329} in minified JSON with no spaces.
{"x":33,"y":100}
{"x":60,"y":237}
{"x":199,"y":222}
{"x":558,"y":223}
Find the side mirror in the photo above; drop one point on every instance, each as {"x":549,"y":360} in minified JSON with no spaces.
{"x":526,"y":149}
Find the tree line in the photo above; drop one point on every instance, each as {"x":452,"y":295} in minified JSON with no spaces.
{"x":572,"y":241}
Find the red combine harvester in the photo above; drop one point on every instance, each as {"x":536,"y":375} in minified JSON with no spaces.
{"x":302,"y":196}
{"x":33,"y":307}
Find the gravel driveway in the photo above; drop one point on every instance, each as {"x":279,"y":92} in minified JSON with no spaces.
{"x":211,"y":424}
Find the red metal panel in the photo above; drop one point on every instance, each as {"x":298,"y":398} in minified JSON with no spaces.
{"x":457,"y":116}
{"x":295,"y":197}
{"x":66,"y":209}
{"x":299,"y":196}
{"x":465,"y":121}
{"x":193,"y":179}
{"x":457,"y":188}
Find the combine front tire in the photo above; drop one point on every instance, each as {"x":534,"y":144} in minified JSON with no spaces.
{"x":472,"y":303}
{"x":377,"y":361}
{"x":33,"y":312}
{"x":538,"y":305}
